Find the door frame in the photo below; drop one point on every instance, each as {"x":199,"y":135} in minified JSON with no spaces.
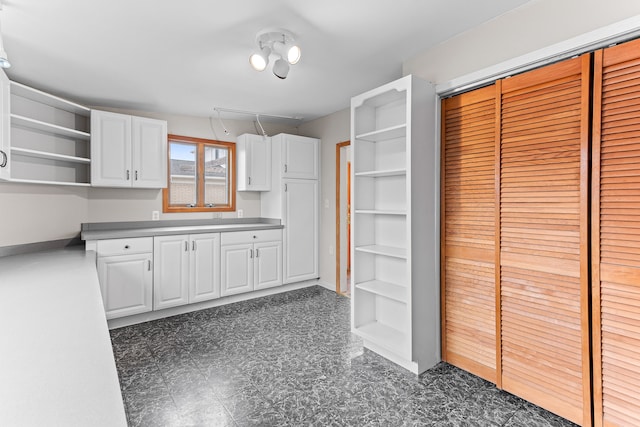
{"x":339,"y":146}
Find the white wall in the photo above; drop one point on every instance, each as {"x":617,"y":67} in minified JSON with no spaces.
{"x":37,"y":213}
{"x":532,"y":26}
{"x":331,"y":129}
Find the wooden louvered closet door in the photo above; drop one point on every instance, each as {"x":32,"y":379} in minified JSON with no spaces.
{"x":544,"y":237}
{"x":468,"y":229}
{"x":616,"y":235}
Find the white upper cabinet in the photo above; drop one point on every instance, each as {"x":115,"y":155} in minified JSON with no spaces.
{"x":149,"y":148}
{"x":128,"y":151}
{"x":254,"y":162}
{"x":299,"y":156}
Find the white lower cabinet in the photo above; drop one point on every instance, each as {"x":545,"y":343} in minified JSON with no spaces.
{"x":186,"y":269}
{"x":126,"y":276}
{"x":142,"y":274}
{"x":251,"y":260}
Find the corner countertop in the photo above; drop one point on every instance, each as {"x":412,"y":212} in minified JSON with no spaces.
{"x":119,"y":230}
{"x":56,"y":360}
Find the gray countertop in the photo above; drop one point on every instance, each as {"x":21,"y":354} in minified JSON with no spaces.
{"x":118,"y":230}
{"x":56,"y":361}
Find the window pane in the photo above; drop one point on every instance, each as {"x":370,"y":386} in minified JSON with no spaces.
{"x":216,"y":175}
{"x":183,"y":189}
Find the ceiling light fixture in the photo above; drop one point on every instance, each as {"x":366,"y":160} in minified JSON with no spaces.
{"x":277,"y":42}
{"x":4,"y":59}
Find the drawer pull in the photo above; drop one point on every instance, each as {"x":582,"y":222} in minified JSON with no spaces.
{"x":126,"y":246}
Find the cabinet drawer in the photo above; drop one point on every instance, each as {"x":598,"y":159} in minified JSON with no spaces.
{"x":238,"y":237}
{"x":125,"y":246}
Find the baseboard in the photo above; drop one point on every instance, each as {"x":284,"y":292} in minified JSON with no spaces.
{"x":174,"y":311}
{"x":326,"y":285}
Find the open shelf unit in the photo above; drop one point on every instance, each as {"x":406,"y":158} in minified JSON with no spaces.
{"x":45,"y":138}
{"x":395,"y":303}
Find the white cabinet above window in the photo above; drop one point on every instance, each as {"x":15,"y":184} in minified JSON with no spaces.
{"x":128,"y":151}
{"x":254,"y":162}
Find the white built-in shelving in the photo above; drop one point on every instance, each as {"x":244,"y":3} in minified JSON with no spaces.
{"x":394,"y":231}
{"x":45,"y":138}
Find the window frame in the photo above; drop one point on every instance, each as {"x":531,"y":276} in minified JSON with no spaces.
{"x":200,"y":144}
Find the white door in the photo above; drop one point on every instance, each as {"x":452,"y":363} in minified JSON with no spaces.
{"x":236,"y":269}
{"x":171,"y":271}
{"x":149,"y":142}
{"x":126,"y":284}
{"x":300,"y":232}
{"x":204,"y":280}
{"x":259,"y":157}
{"x":5,"y":131}
{"x":268,"y":264}
{"x":110,"y":149}
{"x":300,"y":157}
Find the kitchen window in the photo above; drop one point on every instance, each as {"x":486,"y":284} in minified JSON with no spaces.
{"x":202,"y":175}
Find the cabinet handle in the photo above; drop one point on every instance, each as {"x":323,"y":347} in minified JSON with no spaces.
{"x":128,"y":174}
{"x":257,"y":253}
{"x":285,"y":188}
{"x":126,"y":246}
{"x":186,"y":246}
{"x":136,"y":175}
{"x":249,"y":180}
{"x":285,"y":167}
{"x":5,"y":158}
{"x":149,"y":265}
{"x":193,"y":245}
{"x":250,"y":253}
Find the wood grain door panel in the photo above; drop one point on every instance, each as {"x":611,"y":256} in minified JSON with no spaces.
{"x":544,"y":237}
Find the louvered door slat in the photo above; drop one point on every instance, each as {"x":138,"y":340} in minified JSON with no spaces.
{"x":543,"y":237}
{"x":468,"y":232}
{"x":616,"y":235}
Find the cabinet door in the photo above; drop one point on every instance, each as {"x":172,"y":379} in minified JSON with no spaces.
{"x":171,"y":271}
{"x":110,"y":149}
{"x":5,"y":134}
{"x":254,"y":163}
{"x":300,"y":221}
{"x":299,"y":157}
{"x":204,"y":280}
{"x":236,"y":269}
{"x":149,"y":145}
{"x":126,"y":284}
{"x":267,"y":264}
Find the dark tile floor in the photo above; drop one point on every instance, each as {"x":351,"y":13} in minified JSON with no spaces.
{"x":290,"y":360}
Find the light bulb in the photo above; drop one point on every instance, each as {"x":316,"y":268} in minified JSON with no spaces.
{"x":293,"y":55}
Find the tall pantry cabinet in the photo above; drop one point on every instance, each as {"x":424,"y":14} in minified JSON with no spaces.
{"x":394,"y":232}
{"x":294,"y":198}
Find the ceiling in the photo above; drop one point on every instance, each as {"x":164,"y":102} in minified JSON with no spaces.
{"x":187,"y":57}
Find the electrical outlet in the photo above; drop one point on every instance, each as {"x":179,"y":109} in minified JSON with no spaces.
{"x":240,"y":213}
{"x":155,"y":215}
